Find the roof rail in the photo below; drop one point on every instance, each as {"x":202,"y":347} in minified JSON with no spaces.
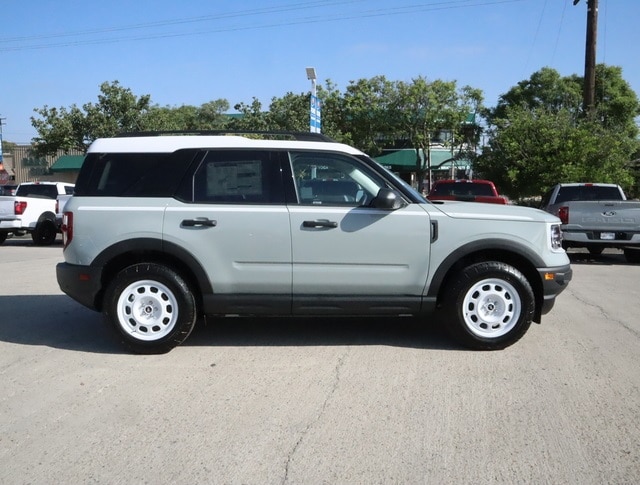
{"x":295,"y":135}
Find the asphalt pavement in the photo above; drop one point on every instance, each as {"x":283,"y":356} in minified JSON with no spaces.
{"x":313,"y":401}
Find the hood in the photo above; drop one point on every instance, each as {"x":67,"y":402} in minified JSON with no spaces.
{"x":477,"y":210}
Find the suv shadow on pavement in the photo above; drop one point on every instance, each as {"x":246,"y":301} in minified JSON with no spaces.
{"x":56,"y":321}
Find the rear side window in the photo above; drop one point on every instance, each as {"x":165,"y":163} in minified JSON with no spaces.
{"x":37,"y":190}
{"x":132,"y":174}
{"x":237,"y":177}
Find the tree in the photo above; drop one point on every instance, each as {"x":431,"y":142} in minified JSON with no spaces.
{"x":531,"y":151}
{"x":289,"y":113}
{"x":540,"y":136}
{"x":251,"y":117}
{"x":421,"y":109}
{"x":545,"y":89}
{"x":365,"y":113}
{"x":209,"y":116}
{"x":117,"y":110}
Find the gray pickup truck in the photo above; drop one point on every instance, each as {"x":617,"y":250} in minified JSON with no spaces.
{"x":596,"y":216}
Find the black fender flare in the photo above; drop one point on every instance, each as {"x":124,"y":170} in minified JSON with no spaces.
{"x":141,"y":246}
{"x":510,"y":249}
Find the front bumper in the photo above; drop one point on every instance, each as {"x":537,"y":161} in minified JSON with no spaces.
{"x":554,"y":281}
{"x":82,"y":283}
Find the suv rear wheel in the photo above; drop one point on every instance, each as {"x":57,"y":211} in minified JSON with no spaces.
{"x":151,"y":307}
{"x":489,"y":306}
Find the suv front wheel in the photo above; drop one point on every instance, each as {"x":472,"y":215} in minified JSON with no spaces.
{"x":151,"y":307}
{"x":489,"y":306}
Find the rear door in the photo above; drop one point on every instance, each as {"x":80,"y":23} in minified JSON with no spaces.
{"x":235,"y":223}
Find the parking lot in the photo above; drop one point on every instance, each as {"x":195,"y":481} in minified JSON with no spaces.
{"x":308,"y":401}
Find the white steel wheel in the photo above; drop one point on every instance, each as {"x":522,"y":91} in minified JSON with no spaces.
{"x":147,"y":310}
{"x":151,"y":307}
{"x":488,"y":305}
{"x":491,"y":308}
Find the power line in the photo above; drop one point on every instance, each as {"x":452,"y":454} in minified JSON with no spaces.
{"x":402,"y":10}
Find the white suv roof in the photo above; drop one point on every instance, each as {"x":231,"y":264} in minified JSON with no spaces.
{"x":171,"y":143}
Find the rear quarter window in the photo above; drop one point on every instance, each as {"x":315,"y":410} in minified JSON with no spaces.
{"x":132,"y":174}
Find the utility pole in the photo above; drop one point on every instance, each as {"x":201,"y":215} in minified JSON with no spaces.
{"x":589,"y":92}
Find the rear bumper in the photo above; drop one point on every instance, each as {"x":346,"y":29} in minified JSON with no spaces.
{"x":10,"y":224}
{"x":82,"y":283}
{"x":603,"y":237}
{"x":554,"y":281}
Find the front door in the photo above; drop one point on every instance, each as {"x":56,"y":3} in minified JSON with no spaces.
{"x":347,"y":256}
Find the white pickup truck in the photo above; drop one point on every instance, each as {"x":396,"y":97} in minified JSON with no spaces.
{"x":596,"y":216}
{"x":36,"y":208}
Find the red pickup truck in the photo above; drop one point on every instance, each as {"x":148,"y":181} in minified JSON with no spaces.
{"x":466,"y":190}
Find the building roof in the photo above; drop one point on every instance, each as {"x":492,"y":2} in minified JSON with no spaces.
{"x":67,"y":163}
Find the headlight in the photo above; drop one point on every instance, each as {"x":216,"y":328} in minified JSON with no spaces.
{"x":556,"y":237}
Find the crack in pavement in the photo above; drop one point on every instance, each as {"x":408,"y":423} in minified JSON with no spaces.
{"x":603,"y":312}
{"x":312,"y":423}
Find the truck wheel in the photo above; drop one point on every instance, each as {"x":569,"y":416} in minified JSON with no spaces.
{"x":632,"y":255}
{"x":489,"y":306}
{"x":44,"y":234}
{"x":151,"y":307}
{"x":3,"y":237}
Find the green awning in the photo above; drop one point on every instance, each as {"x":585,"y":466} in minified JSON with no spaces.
{"x":67,"y":163}
{"x":406,"y":159}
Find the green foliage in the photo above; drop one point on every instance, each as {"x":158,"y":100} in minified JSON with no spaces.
{"x":537,"y":133}
{"x":289,"y":113}
{"x":539,"y":136}
{"x":209,"y":116}
{"x":117,"y":110}
{"x":530,"y":151}
{"x":251,"y":118}
{"x":7,"y":146}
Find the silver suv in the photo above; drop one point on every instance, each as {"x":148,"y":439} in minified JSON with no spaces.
{"x":164,"y":229}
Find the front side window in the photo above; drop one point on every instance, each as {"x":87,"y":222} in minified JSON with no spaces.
{"x":238,"y":177}
{"x":333,"y":179}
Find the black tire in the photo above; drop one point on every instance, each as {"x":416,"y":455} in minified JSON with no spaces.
{"x":632,"y":255}
{"x":151,"y":307}
{"x":44,"y":234}
{"x":488,"y":306}
{"x":3,"y":236}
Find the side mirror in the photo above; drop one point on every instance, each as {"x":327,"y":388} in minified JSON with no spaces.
{"x":388,"y":199}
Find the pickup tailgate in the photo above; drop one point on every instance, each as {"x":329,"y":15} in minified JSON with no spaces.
{"x":610,"y":215}
{"x":7,"y":207}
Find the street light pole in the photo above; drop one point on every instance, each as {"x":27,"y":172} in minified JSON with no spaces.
{"x":311,"y":75}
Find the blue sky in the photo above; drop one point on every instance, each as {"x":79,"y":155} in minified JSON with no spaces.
{"x":191,"y":52}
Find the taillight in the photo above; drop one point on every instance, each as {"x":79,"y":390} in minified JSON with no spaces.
{"x":563,"y":214}
{"x":19,"y":206}
{"x":67,"y":228}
